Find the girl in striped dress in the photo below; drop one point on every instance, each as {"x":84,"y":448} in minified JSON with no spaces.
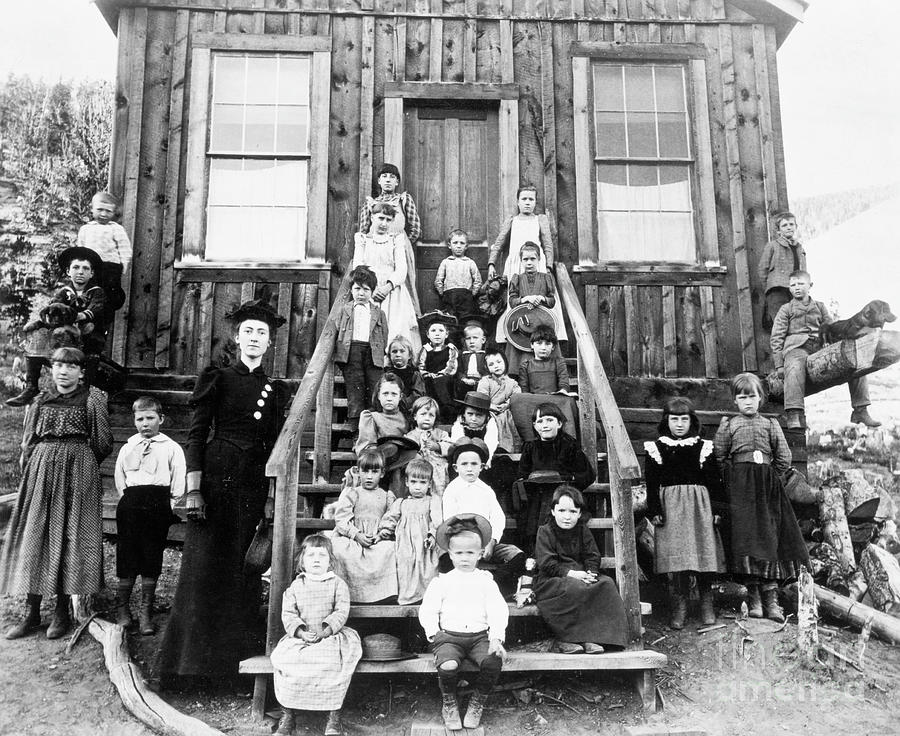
{"x":54,"y":544}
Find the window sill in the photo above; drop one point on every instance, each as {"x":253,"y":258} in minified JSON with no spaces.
{"x":258,"y":271}
{"x":650,"y":273}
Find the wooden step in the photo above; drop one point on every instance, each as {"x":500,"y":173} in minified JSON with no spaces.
{"x":334,"y":489}
{"x":413,"y":611}
{"x":645,"y":659}
{"x":349,"y":457}
{"x":306,"y":523}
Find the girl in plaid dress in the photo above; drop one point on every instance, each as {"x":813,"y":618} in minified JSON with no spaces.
{"x":54,"y":543}
{"x":315,"y":659}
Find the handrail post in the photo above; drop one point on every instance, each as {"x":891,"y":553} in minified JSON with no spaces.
{"x":625,"y":548}
{"x":284,"y":536}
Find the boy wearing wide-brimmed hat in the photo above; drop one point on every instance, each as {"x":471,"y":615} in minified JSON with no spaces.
{"x":469,"y":494}
{"x":476,"y":422}
{"x":465,"y":617}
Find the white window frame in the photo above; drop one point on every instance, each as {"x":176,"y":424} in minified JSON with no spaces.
{"x":204,"y":47}
{"x":692,"y":58}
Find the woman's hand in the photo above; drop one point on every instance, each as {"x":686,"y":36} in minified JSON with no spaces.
{"x":657,"y":520}
{"x":310,"y":637}
{"x":583,"y":576}
{"x":364,"y":539}
{"x":195,"y":506}
{"x":384,"y":535}
{"x":492,"y":271}
{"x":381,"y":292}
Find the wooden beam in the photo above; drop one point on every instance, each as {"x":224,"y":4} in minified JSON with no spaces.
{"x":451,"y":91}
{"x":587,"y":415}
{"x":766,"y":131}
{"x":597,"y":380}
{"x":260,"y":273}
{"x":204,"y":325}
{"x":261,"y":42}
{"x":393,"y":131}
{"x":548,"y":121}
{"x":735,"y":189}
{"x":670,"y":348}
{"x":366,"y":110}
{"x":435,"y":42}
{"x":709,"y":237}
{"x":508,"y":122}
{"x":625,"y":544}
{"x":709,"y":328}
{"x":195,"y":166}
{"x":582,"y":119}
{"x":283,"y":337}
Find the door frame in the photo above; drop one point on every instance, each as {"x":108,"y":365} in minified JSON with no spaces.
{"x":396,"y":93}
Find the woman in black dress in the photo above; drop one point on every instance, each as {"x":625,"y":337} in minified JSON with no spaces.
{"x":215,"y":615}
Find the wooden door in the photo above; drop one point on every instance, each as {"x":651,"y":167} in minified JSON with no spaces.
{"x":451,"y":166}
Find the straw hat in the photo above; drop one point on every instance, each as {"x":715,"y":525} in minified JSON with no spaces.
{"x":482,"y":527}
{"x":383,"y":648}
{"x":523,"y":320}
{"x":79,"y":253}
{"x":436,"y":316}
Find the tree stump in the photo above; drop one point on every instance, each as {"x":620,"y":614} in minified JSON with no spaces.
{"x":807,"y":617}
{"x":837,"y":533}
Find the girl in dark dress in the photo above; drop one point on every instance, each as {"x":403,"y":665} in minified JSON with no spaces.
{"x":215,"y":614}
{"x":581,"y":606}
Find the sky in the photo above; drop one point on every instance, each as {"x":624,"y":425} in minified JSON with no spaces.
{"x":839,"y":115}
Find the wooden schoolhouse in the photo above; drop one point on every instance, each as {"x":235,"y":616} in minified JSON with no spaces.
{"x":245,"y":139}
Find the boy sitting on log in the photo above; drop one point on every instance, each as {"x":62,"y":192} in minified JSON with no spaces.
{"x":795,"y":336}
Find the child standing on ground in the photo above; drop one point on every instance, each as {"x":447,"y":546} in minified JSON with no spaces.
{"x":780,"y":258}
{"x":108,"y":240}
{"x":413,"y":521}
{"x":150,"y":477}
{"x":582,"y":607}
{"x":465,"y":617}
{"x":434,"y":442}
{"x":438,"y":361}
{"x":469,"y":494}
{"x":500,"y":388}
{"x":685,"y":503}
{"x":458,"y":279}
{"x":402,"y":363}
{"x":54,"y":541}
{"x":472,"y":364}
{"x":362,"y":556}
{"x":315,"y":659}
{"x":795,"y":335}
{"x":362,"y":333}
{"x":766,"y":543}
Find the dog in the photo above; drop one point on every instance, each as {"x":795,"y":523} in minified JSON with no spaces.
{"x":874,"y":314}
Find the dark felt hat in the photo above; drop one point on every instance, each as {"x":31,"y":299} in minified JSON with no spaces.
{"x":865,"y":512}
{"x":476,"y":400}
{"x":436,"y":316}
{"x":259,"y":310}
{"x":383,"y":648}
{"x":397,"y":451}
{"x":79,"y":253}
{"x":469,"y":444}
{"x":452,"y":525}
{"x":523,"y":320}
{"x":544,"y":478}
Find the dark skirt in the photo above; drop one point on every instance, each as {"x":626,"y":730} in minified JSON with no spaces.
{"x":765,"y":539}
{"x":215,"y":620}
{"x":576,"y":612}
{"x":143,"y":517}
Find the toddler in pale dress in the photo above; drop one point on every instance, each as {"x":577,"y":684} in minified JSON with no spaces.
{"x":501,"y":388}
{"x":434,"y":442}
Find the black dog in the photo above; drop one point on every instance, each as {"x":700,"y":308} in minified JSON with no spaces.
{"x":874,"y":314}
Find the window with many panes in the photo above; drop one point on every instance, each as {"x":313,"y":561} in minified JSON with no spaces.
{"x":256,"y":172}
{"x":643,"y":163}
{"x":258,"y":154}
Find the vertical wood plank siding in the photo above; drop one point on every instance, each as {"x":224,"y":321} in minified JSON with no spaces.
{"x":645,"y":326}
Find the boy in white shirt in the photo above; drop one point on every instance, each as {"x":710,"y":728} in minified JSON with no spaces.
{"x":465,"y":617}
{"x":150,"y":477}
{"x":468,"y":494}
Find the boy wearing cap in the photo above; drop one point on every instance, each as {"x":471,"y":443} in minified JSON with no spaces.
{"x":468,"y":494}
{"x":438,"y":360}
{"x":465,"y":617}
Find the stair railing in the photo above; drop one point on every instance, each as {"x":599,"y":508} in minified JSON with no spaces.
{"x":283,"y":466}
{"x":596,"y":396}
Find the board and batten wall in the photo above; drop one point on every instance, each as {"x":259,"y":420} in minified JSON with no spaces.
{"x":647,"y":324}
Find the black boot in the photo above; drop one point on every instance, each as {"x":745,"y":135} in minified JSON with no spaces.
{"x":61,"y":621}
{"x":32,"y":377}
{"x":286,"y":724}
{"x":145,"y":612}
{"x":707,"y":609}
{"x":123,"y":598}
{"x":773,"y":609}
{"x":677,"y":602}
{"x":448,"y":681}
{"x":31,"y":621}
{"x":333,"y":726}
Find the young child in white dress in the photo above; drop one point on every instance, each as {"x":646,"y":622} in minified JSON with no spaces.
{"x":413,"y":521}
{"x":434,"y":442}
{"x":363,"y":557}
{"x":315,"y":659}
{"x":498,"y":385}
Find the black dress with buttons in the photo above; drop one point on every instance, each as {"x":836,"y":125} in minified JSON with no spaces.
{"x":215,"y":618}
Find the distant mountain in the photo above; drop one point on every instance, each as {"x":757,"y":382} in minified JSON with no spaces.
{"x":817,"y":215}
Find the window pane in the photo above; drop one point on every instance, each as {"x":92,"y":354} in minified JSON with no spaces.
{"x":610,"y":134}
{"x":676,"y":237}
{"x":293,"y":129}
{"x":608,"y":87}
{"x":259,"y":182}
{"x":639,"y":88}
{"x":675,"y":188}
{"x":672,"y":135}
{"x":293,"y":81}
{"x":643,"y":187}
{"x":260,"y":130}
{"x":228,"y":82}
{"x":612,"y":189}
{"x":669,"y":89}
{"x":288,"y":233}
{"x":227,"y":128}
{"x":225,"y":239}
{"x":642,"y":134}
{"x":290,"y":183}
{"x":615,"y":236}
{"x":225,"y":182}
{"x":261,"y":79}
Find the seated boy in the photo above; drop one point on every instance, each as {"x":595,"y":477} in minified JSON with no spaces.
{"x":795,"y":335}
{"x":79,"y":290}
{"x":780,"y":258}
{"x":468,"y":494}
{"x":458,"y":279}
{"x":472,"y":360}
{"x":150,"y":475}
{"x":362,"y":333}
{"x":475,"y":422}
{"x":465,"y":617}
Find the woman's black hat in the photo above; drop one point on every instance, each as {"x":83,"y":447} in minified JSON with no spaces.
{"x":258,"y":310}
